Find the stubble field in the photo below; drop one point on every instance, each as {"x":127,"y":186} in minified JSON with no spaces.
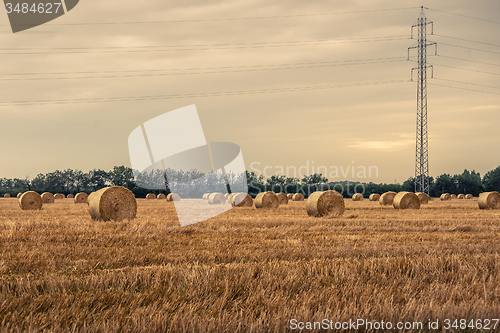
{"x":246,"y":270}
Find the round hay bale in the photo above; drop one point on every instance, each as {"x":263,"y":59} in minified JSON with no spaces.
{"x":150,"y":196}
{"x":406,"y":200}
{"x":242,"y":200}
{"x":424,"y":198}
{"x":387,"y":198}
{"x":461,"y":196}
{"x":70,"y":196}
{"x":357,"y":197}
{"x":19,"y":195}
{"x":283,"y":198}
{"x":59,"y":196}
{"x":81,"y":197}
{"x":47,"y":197}
{"x":161,"y":196}
{"x":297,"y":197}
{"x":205,"y":196}
{"x":30,"y":201}
{"x":489,"y":200}
{"x":6,"y":195}
{"x":290,"y":196}
{"x":469,"y":196}
{"x":112,"y":203}
{"x":445,"y":196}
{"x":267,"y":200}
{"x":325,"y":204}
{"x":374,"y":197}
{"x":89,"y":197}
{"x":173,"y":197}
{"x":216,"y":198}
{"x":453,"y":196}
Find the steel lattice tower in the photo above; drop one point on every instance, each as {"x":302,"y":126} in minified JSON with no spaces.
{"x":422,"y":143}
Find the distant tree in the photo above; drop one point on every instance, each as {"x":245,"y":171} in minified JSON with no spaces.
{"x":122,"y":176}
{"x":316,"y":178}
{"x":443,"y":184}
{"x":99,"y":179}
{"x":491,"y":180}
{"x":469,"y":182}
{"x":38,"y":183}
{"x":409,"y":185}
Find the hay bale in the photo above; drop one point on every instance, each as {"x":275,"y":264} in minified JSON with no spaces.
{"x":173,"y":197}
{"x":469,"y":196}
{"x":47,"y":197}
{"x":357,"y":197}
{"x":424,"y":198}
{"x":81,"y":197}
{"x":59,"y":196}
{"x":150,"y":196}
{"x":70,"y":196}
{"x":283,"y":198}
{"x":325,"y":204}
{"x":205,"y":196}
{"x":19,"y":195}
{"x":387,"y":198}
{"x":461,"y":196}
{"x":297,"y":197}
{"x":267,"y":200}
{"x":406,"y":200}
{"x":161,"y":196}
{"x":445,"y":196}
{"x":112,"y":203}
{"x":215,"y":198}
{"x":453,"y":196}
{"x":242,"y":200}
{"x":89,"y":197}
{"x":290,"y":196}
{"x":6,"y":195}
{"x":489,"y":200}
{"x":374,"y":197}
{"x":30,"y":201}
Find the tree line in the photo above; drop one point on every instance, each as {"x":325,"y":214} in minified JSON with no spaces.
{"x":73,"y":181}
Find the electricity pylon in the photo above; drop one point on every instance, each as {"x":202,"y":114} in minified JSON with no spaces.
{"x":422,"y":143}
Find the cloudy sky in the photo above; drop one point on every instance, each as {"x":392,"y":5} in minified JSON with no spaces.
{"x":293,"y":83}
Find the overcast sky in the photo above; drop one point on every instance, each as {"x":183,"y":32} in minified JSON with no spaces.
{"x":189,"y":48}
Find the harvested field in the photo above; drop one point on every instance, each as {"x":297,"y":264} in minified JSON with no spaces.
{"x":247,"y":270}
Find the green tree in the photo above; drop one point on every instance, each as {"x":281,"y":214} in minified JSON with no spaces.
{"x":99,"y":179}
{"x":409,"y":185}
{"x":122,"y":176}
{"x":491,"y":180}
{"x":316,"y":178}
{"x":469,"y":182}
{"x":443,"y":184}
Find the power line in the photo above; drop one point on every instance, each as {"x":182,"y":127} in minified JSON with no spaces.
{"x":468,"y":89}
{"x":467,"y":40}
{"x":462,"y":15}
{"x":200,"y":47}
{"x":231,"y":19}
{"x":474,"y":84}
{"x":468,"y":69}
{"x":475,"y":61}
{"x":208,"y":94}
{"x":469,"y":48}
{"x":208,"y":70}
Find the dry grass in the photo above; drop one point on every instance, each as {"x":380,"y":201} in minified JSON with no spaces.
{"x":247,"y":270}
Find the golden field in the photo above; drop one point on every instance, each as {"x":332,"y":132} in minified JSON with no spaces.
{"x":247,"y":270}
